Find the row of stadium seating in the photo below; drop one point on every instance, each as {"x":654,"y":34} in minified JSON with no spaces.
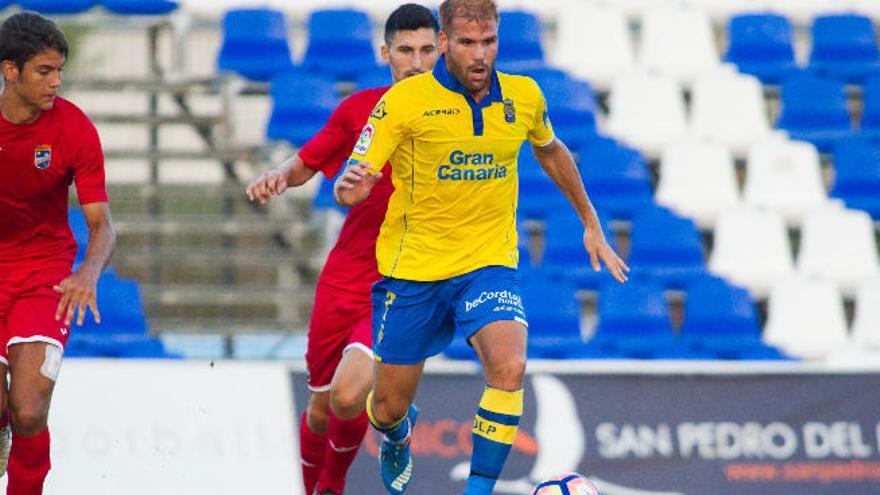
{"x":595,"y":43}
{"x":123,"y":7}
{"x":123,"y":331}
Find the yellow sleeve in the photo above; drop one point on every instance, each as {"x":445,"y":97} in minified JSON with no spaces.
{"x":542,"y":132}
{"x":382,"y":133}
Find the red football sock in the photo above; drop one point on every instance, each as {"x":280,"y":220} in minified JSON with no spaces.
{"x":28,"y":464}
{"x":311,"y":450}
{"x":344,"y":439}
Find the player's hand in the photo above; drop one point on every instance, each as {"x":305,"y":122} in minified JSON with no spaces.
{"x":598,"y":248}
{"x":355,"y":183}
{"x":78,"y":292}
{"x":268,"y":184}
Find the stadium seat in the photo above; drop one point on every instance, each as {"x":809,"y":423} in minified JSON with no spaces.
{"x":255,"y":44}
{"x":666,"y":247}
{"x":678,"y":42}
{"x":538,"y":195}
{"x":646,"y":111}
{"x":802,"y":12}
{"x":870,"y":124}
{"x":721,"y":11}
{"x":866,"y":325}
{"x":520,"y":36}
{"x":857,"y":175}
{"x":729,"y":107}
{"x":572,"y":106}
{"x":870,"y":8}
{"x":80,"y":229}
{"x":564,"y":253}
{"x":697,"y":181}
{"x":806,"y":318}
{"x":617,"y":176}
{"x":122,"y":311}
{"x":761,"y":45}
{"x":845,"y":47}
{"x":340,"y":43}
{"x":594,"y":43}
{"x":786,"y":177}
{"x":376,"y":78}
{"x":633,"y":322}
{"x":554,"y":317}
{"x":720,"y":319}
{"x":140,"y":7}
{"x":751,"y":249}
{"x":838,"y":245}
{"x":814,"y":109}
{"x":57,"y":6}
{"x":301,"y":106}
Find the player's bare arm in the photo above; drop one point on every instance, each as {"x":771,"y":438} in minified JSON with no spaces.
{"x":355,"y":184}
{"x":79,"y":291}
{"x":290,"y":173}
{"x":557,"y":161}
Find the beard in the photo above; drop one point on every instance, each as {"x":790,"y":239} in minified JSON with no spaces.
{"x":463,"y":74}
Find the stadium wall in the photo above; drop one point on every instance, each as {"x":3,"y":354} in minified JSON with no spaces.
{"x":662,"y":428}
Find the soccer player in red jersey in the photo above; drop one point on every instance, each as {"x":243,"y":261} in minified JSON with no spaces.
{"x":46,"y":143}
{"x":332,"y":428}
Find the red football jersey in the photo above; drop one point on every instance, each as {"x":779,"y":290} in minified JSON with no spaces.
{"x":351,"y":266}
{"x":38,"y":162}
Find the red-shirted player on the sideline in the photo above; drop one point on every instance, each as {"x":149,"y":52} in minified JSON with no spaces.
{"x":46,"y":143}
{"x":332,"y":428}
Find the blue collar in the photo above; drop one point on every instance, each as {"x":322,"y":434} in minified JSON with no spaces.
{"x":448,"y":81}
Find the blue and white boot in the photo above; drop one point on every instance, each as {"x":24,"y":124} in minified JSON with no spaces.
{"x":395,"y":461}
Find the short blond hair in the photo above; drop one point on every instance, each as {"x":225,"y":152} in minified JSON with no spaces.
{"x":479,"y":11}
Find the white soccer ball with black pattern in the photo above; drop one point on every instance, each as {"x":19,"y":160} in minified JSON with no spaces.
{"x":566,"y":484}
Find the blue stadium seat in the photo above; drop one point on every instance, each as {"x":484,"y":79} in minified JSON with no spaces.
{"x":857,"y":174}
{"x":255,"y":44}
{"x":122,"y":310}
{"x":870,"y":124}
{"x":845,"y":46}
{"x":57,"y":6}
{"x":571,"y":106}
{"x":302,"y":103}
{"x":616,"y":176}
{"x":720,"y":319}
{"x":376,"y":78}
{"x":554,"y":317}
{"x":340,"y":43}
{"x":538,"y":195}
{"x":633,"y":322}
{"x":814,"y":109}
{"x":666,"y":248}
{"x":519,"y":35}
{"x":762,"y":45}
{"x":80,"y":229}
{"x":140,"y":7}
{"x":565,"y":255}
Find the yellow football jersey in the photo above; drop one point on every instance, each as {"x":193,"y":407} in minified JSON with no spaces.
{"x":454,"y":169}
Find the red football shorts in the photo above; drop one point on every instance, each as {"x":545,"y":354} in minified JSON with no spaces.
{"x":28,"y":305}
{"x":339,"y":323}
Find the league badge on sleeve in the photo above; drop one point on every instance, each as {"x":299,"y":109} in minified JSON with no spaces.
{"x":509,"y":111}
{"x":365,"y":140}
{"x":43,"y":156}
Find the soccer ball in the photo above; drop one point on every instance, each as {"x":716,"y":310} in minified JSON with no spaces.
{"x":566,"y":484}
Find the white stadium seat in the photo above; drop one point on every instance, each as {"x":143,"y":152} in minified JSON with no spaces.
{"x":785,"y":176}
{"x":721,"y":10}
{"x":647,"y":111}
{"x":838,"y":245}
{"x":678,"y":42}
{"x":870,"y":8}
{"x":698,"y":180}
{"x":806,"y":318}
{"x":729,"y":107}
{"x":866,"y":326}
{"x":751,"y":249}
{"x":802,"y":12}
{"x":594,"y":43}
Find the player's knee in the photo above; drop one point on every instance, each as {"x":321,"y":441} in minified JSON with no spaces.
{"x":508,"y":373}
{"x":29,"y":418}
{"x":347,"y":402}
{"x":317,"y":418}
{"x":388,"y":412}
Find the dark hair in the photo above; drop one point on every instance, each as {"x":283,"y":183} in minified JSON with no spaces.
{"x":26,"y":34}
{"x":409,"y":17}
{"x":473,"y":10}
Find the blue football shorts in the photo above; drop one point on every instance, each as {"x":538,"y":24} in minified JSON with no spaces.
{"x":413,"y":321}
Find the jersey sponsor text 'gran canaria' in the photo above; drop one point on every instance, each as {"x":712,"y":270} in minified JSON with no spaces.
{"x":454,"y":166}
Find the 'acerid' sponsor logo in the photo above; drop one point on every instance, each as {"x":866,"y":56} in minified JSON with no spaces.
{"x":458,"y":160}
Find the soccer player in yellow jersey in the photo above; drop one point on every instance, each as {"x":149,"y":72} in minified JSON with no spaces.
{"x":448,"y":247}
